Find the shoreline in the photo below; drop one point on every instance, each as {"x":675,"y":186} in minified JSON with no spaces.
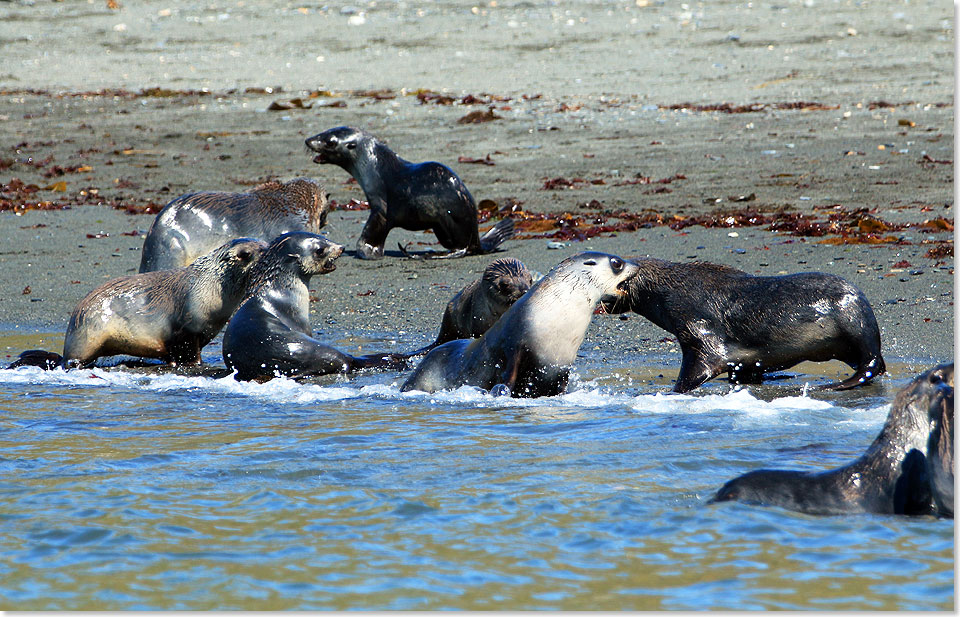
{"x":711,"y":112}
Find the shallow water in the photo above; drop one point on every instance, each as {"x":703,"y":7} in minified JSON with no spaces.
{"x":145,"y":489}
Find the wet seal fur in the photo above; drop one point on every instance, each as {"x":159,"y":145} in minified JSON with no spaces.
{"x":194,"y":224}
{"x":414,"y":196}
{"x":167,"y":314}
{"x":940,"y":450}
{"x":728,"y":321}
{"x":528,"y":352}
{"x":479,"y":305}
{"x":270,"y":333}
{"x":891,"y":477}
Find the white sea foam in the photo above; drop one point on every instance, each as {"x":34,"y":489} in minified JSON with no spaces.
{"x":283,"y":390}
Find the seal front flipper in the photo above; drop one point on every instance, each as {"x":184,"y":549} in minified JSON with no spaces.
{"x":374,"y":234}
{"x":695,"y":369}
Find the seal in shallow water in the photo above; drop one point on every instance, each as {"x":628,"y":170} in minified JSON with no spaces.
{"x":890,"y":478}
{"x":270,"y":333}
{"x":194,"y":224}
{"x":480,"y":304}
{"x":414,"y":196}
{"x":728,"y":321}
{"x":940,"y":454}
{"x":167,"y":314}
{"x":530,"y":349}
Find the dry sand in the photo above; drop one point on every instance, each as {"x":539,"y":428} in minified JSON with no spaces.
{"x":853,"y":109}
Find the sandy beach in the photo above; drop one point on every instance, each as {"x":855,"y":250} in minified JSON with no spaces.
{"x":776,"y":138}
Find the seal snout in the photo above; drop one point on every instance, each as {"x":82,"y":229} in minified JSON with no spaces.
{"x":326,"y":255}
{"x":327,"y":144}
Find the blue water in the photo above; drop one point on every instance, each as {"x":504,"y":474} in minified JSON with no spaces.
{"x":144,"y":489}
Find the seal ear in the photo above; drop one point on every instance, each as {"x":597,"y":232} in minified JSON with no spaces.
{"x":244,"y":255}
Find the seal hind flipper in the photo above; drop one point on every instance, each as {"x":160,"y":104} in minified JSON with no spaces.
{"x":864,"y":373}
{"x":497,"y":235}
{"x":47,"y":360}
{"x":449,"y":255}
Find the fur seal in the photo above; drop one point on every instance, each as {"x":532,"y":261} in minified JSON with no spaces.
{"x":940,"y":454}
{"x":528,"y":352}
{"x":890,"y":478}
{"x":728,"y":321}
{"x":480,"y":304}
{"x":270,"y":333}
{"x":167,"y":314}
{"x":414,"y":196}
{"x":196,"y":223}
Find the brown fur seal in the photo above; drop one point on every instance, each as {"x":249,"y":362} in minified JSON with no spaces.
{"x":528,"y":352}
{"x":168,"y":314}
{"x":196,"y":223}
{"x":728,"y":321}
{"x":890,"y":478}
{"x":480,"y":304}
{"x":270,"y":333}
{"x":414,"y":196}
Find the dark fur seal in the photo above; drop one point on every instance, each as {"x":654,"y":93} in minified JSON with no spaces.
{"x":168,"y":314}
{"x":270,"y":333}
{"x":728,"y":321}
{"x":940,"y":454}
{"x":890,"y":478}
{"x":530,"y":349}
{"x":480,"y":304}
{"x":194,"y":224}
{"x":414,"y":196}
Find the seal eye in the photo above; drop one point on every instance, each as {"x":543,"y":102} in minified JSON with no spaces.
{"x":351,"y":145}
{"x":616,"y":264}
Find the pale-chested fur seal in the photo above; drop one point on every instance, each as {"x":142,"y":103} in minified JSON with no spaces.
{"x":414,"y":196}
{"x":480,"y":304}
{"x":196,"y":223}
{"x":890,"y":478}
{"x":728,"y":321}
{"x":530,"y":349}
{"x":270,"y":333}
{"x":167,"y":314}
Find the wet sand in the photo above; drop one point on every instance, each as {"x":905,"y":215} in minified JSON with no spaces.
{"x":831,"y":109}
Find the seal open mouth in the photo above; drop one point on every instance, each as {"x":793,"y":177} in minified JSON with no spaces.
{"x":320,"y":159}
{"x":327,"y":267}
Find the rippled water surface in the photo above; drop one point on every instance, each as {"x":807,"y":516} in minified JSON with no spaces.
{"x":125,"y":489}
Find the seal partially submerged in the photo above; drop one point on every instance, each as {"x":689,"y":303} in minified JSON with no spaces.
{"x":194,"y":224}
{"x":480,"y":304}
{"x":414,"y":196}
{"x":167,"y":314}
{"x":728,"y":321}
{"x":270,"y":333}
{"x":528,"y":352}
{"x":891,"y":477}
